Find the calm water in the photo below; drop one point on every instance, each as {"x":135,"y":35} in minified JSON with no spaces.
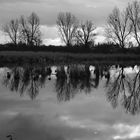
{"x":75,"y":102}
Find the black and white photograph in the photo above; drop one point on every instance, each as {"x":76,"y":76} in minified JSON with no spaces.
{"x":69,"y":69}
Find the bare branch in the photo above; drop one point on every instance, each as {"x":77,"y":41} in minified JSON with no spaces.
{"x":30,"y":29}
{"x":85,"y":32}
{"x":118,"y":29}
{"x":67,"y":26}
{"x":12,"y":29}
{"x":134,"y":16}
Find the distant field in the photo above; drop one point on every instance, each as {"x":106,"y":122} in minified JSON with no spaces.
{"x":64,"y":58}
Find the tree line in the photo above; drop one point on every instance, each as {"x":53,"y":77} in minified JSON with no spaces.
{"x":121,"y":27}
{"x":24,"y":30}
{"x":27,"y":30}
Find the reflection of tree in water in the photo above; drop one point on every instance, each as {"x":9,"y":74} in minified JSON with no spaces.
{"x":121,"y":87}
{"x":28,"y":79}
{"x":69,"y":80}
{"x":127,"y":89}
{"x":118,"y":84}
{"x":63,"y":86}
{"x":73,"y":78}
{"x":132,"y":101}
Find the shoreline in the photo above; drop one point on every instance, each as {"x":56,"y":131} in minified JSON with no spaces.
{"x":57,"y":58}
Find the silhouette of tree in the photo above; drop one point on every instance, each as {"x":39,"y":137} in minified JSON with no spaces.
{"x":12,"y":30}
{"x":118,"y":28}
{"x":67,"y":26}
{"x":134,"y":16}
{"x":30,"y":30}
{"x":84,"y":33}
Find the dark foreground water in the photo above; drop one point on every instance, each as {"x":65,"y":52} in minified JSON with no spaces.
{"x":75,"y":102}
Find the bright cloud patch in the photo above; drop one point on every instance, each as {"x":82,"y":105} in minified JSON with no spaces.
{"x":3,"y":38}
{"x":49,"y":41}
{"x":126,"y":132}
{"x":86,"y":124}
{"x":49,"y":31}
{"x":50,"y":35}
{"x":100,"y":35}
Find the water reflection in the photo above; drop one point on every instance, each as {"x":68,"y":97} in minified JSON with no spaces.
{"x":72,"y":79}
{"x":77,"y":78}
{"x":26,"y":79}
{"x":122,"y":87}
{"x":132,"y":101}
{"x":118,"y":84}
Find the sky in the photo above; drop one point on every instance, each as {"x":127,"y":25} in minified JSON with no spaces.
{"x":47,"y":10}
{"x":85,"y":117}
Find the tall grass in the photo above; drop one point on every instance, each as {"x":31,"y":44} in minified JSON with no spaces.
{"x":65,"y":58}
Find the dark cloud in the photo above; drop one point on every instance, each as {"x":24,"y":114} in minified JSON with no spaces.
{"x":96,"y":10}
{"x":35,"y":128}
{"x":6,"y":104}
{"x":24,"y":127}
{"x":20,"y":1}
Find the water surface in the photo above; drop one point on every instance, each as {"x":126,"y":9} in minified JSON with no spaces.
{"x":71,"y":102}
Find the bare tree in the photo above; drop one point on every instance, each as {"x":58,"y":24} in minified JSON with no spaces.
{"x":12,"y":29}
{"x":134,"y":16}
{"x":118,"y":27}
{"x":85,"y":33}
{"x":30,"y":29}
{"x":67,"y":26}
{"x":34,"y":24}
{"x":24,"y":31}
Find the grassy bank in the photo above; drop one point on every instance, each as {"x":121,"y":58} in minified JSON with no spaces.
{"x":55,"y":58}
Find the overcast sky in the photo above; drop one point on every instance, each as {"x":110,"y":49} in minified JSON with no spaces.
{"x":47,"y":10}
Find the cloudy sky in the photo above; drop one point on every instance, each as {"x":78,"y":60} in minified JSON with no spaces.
{"x":47,"y":10}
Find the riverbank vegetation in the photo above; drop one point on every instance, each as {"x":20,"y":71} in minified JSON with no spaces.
{"x":78,"y":37}
{"x":58,"y":58}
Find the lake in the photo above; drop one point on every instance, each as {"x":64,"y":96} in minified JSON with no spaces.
{"x":70,"y":102}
